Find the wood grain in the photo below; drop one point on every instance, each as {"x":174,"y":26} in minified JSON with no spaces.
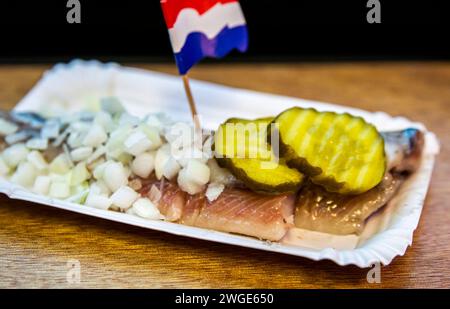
{"x":36,"y":242}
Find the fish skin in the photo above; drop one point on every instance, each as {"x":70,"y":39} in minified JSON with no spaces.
{"x":403,"y":149}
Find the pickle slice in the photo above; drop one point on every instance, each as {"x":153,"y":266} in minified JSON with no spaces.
{"x":341,"y":152}
{"x":241,"y":146}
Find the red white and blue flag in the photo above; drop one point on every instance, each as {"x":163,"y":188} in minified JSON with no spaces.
{"x":204,"y":28}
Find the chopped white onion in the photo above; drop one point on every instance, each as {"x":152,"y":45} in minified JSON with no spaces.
{"x":81,"y":153}
{"x":25,"y":174}
{"x":98,"y":201}
{"x":219,"y":174}
{"x":95,"y":136}
{"x":38,"y":160}
{"x":198,"y":171}
{"x":60,"y":164}
{"x":183,"y":156}
{"x":137,"y":143}
{"x":143,"y":164}
{"x":111,"y":105}
{"x":186,"y":184}
{"x":75,"y":139}
{"x":115,"y":175}
{"x":50,"y":129}
{"x":124,"y":197}
{"x":115,"y":144}
{"x":99,"y":170}
{"x":127,"y":119}
{"x":153,"y":135}
{"x":100,"y":151}
{"x":59,"y":189}
{"x":214,"y":190}
{"x":79,"y":197}
{"x":60,"y":139}
{"x":99,"y":187}
{"x":42,"y":184}
{"x":144,"y":208}
{"x":105,"y":120}
{"x":162,"y":156}
{"x":171,"y":168}
{"x":4,"y":168}
{"x":14,"y":154}
{"x":7,"y":127}
{"x":14,"y":138}
{"x":79,"y":174}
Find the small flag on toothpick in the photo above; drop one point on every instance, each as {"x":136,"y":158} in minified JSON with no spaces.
{"x":203,"y":28}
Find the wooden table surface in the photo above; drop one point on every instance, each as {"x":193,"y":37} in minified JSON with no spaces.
{"x":36,"y":242}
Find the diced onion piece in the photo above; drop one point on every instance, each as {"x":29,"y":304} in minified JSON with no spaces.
{"x":162,"y":156}
{"x":95,"y":136}
{"x":60,"y":164}
{"x":143,"y":164}
{"x":61,"y":138}
{"x":189,"y":153}
{"x":14,"y":154}
{"x":125,"y":158}
{"x":99,"y":187}
{"x":4,"y":168}
{"x":80,"y":154}
{"x":152,"y":134}
{"x":98,"y":201}
{"x":7,"y":127}
{"x":19,"y":136}
{"x":198,"y":171}
{"x":127,"y":119}
{"x":144,"y":208}
{"x":50,"y":129}
{"x":214,"y":190}
{"x":59,"y":189}
{"x":137,"y":143}
{"x":42,"y":185}
{"x":154,"y":121}
{"x":114,"y":146}
{"x":105,"y":120}
{"x":186,"y":184}
{"x":100,"y":151}
{"x":38,"y":160}
{"x":37,"y":143}
{"x":79,"y":197}
{"x":25,"y":174}
{"x":79,"y":174}
{"x":99,"y":170}
{"x":171,"y":168}
{"x":111,"y":105}
{"x":219,"y":174}
{"x":124,"y":197}
{"x":92,"y":165}
{"x":75,"y":139}
{"x":115,"y":175}
{"x":61,"y":177}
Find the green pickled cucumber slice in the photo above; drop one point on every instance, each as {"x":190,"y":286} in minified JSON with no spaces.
{"x":241,"y":146}
{"x":341,"y":152}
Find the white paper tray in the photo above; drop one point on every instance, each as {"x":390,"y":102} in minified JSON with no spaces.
{"x":69,"y":86}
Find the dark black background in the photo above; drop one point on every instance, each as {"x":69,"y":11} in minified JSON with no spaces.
{"x":131,"y":30}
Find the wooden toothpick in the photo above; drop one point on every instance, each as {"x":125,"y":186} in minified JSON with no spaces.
{"x":191,"y":101}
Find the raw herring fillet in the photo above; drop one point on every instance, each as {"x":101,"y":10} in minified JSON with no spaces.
{"x":236,"y":210}
{"x":243,"y":212}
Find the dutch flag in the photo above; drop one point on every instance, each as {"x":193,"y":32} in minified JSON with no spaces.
{"x":204,"y":28}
